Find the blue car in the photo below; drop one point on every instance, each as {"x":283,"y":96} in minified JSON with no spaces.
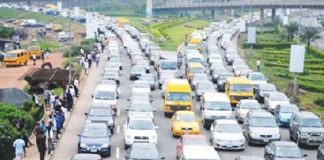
{"x":283,"y":113}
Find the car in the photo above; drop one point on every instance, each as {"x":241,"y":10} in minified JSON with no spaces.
{"x":145,"y":63}
{"x":142,"y":97}
{"x":95,"y":138}
{"x":227,"y":134}
{"x":188,"y":140}
{"x":143,"y":151}
{"x":320,"y":152}
{"x":216,"y":73}
{"x":221,"y":80}
{"x":101,"y":115}
{"x":283,"y":150}
{"x":150,"y":78}
{"x":216,"y":66}
{"x":257,"y":78}
{"x":184,"y":122}
{"x":249,"y":158}
{"x":238,"y":62}
{"x":283,"y":113}
{"x":199,"y":153}
{"x":111,"y":76}
{"x":244,"y":106}
{"x":264,"y":90}
{"x":203,"y":87}
{"x":140,"y":109}
{"x":274,"y":99}
{"x":115,"y":63}
{"x":260,"y":127}
{"x":198,"y":77}
{"x":141,"y":86}
{"x":86,"y":156}
{"x":136,"y":72}
{"x":106,"y":95}
{"x":305,"y":128}
{"x":139,"y":130}
{"x":241,"y":70}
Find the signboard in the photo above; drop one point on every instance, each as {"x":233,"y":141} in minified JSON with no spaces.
{"x":285,"y":20}
{"x":242,"y":26}
{"x":90,"y":25}
{"x":297,"y":58}
{"x":59,"y":5}
{"x":251,"y":35}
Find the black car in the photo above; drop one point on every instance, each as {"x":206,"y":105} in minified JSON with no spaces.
{"x":221,"y":80}
{"x":264,"y":90}
{"x":143,"y":151}
{"x":95,"y":138}
{"x":320,"y":152}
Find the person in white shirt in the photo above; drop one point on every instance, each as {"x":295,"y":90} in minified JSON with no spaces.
{"x":50,"y":136}
{"x":86,"y":66}
{"x":258,"y":62}
{"x":76,"y":86}
{"x":34,"y":58}
{"x":19,"y":146}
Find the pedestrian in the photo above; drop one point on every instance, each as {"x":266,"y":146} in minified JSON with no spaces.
{"x":19,"y":146}
{"x":69,"y":100}
{"x":50,"y":145}
{"x":258,"y":64}
{"x":43,"y":56}
{"x":34,"y":58}
{"x":76,"y":86}
{"x":86,"y":66}
{"x":47,"y":96}
{"x":82,"y":51}
{"x":89,"y":57}
{"x":40,"y":140}
{"x":20,"y":125}
{"x":35,"y":99}
{"x":97,"y":59}
{"x":48,"y":52}
{"x":59,"y":116}
{"x":52,"y":119}
{"x":52,"y":100}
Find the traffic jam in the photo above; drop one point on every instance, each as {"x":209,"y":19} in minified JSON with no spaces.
{"x":203,"y":98}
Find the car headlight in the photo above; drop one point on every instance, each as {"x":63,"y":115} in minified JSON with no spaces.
{"x":154,"y":137}
{"x":303,"y":134}
{"x":277,"y":135}
{"x":82,"y":145}
{"x":106,"y":145}
{"x":188,"y":108}
{"x":128,"y":136}
{"x":219,"y":140}
{"x":88,"y":121}
{"x":253,"y":134}
{"x":168,"y":107}
{"x":242,"y":141}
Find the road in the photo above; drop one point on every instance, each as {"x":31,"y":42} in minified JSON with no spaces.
{"x":67,"y":146}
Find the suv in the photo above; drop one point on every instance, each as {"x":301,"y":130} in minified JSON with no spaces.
{"x":306,"y":128}
{"x":260,"y":127}
{"x":141,"y":130}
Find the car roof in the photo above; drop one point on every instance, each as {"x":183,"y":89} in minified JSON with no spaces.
{"x":226,"y":121}
{"x":306,"y":114}
{"x":85,"y":156}
{"x":260,"y":113}
{"x":185,"y":112}
{"x":284,"y":143}
{"x":109,"y":87}
{"x":95,"y":125}
{"x":200,"y":152}
{"x":215,"y":96}
{"x":188,"y":136}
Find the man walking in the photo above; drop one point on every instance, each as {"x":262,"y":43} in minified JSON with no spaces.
{"x":34,"y":58}
{"x":40,"y":140}
{"x":258,"y":62}
{"x":69,"y":100}
{"x":19,"y":146}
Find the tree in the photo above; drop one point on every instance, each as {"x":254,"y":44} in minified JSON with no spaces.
{"x":291,"y":29}
{"x":309,"y":35}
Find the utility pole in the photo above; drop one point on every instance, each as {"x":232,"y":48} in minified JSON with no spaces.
{"x":298,"y":42}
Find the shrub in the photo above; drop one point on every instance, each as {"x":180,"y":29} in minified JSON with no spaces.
{"x":311,"y":86}
{"x":27,"y":106}
{"x":316,"y":52}
{"x":6,"y":32}
{"x":319,"y":101}
{"x":282,"y":45}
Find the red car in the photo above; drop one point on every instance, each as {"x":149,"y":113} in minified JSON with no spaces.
{"x":185,"y":140}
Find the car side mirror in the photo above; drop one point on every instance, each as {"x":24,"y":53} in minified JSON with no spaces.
{"x":91,"y":96}
{"x":86,"y":114}
{"x":305,"y":155}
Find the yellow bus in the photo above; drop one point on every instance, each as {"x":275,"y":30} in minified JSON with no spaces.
{"x":238,"y":88}
{"x":177,"y":96}
{"x":34,"y":50}
{"x":16,"y":58}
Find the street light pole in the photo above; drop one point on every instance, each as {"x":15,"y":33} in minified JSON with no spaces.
{"x":298,"y":42}
{"x":69,"y":42}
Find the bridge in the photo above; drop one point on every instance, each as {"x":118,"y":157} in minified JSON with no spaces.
{"x":170,"y":5}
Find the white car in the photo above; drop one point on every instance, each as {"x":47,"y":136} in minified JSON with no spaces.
{"x":139,"y":130}
{"x":141,"y":86}
{"x":274,"y":99}
{"x":198,"y":78}
{"x":244,"y":106}
{"x":227,"y":134}
{"x":257,"y":78}
{"x":144,"y":109}
{"x":106,"y":95}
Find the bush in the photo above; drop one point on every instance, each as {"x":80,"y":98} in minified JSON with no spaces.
{"x":282,"y":45}
{"x":319,"y":101}
{"x":8,"y":135}
{"x":27,"y":106}
{"x":6,"y":32}
{"x":316,"y":52}
{"x":317,"y":87}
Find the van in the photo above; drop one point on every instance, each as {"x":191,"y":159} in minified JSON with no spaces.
{"x":215,"y":106}
{"x":194,"y":68}
{"x":237,"y":88}
{"x":195,"y":58}
{"x":198,"y":152}
{"x":34,"y":50}
{"x":177,"y":96}
{"x":106,"y":94}
{"x":16,"y":58}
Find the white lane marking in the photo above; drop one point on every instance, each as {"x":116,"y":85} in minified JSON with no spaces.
{"x":118,"y":129}
{"x":118,"y":112}
{"x":117,"y":152}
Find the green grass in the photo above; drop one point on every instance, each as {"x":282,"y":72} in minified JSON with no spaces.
{"x":6,"y":13}
{"x":49,"y":44}
{"x":173,"y":30}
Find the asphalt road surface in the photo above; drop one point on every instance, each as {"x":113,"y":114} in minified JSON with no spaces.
{"x":67,"y":146}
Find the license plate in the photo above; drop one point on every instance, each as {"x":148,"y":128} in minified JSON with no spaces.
{"x":93,"y":150}
{"x":229,"y":146}
{"x":266,"y":140}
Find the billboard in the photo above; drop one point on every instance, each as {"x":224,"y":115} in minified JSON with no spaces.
{"x":242,"y":26}
{"x":297,"y":58}
{"x":251,"y":35}
{"x":285,"y":20}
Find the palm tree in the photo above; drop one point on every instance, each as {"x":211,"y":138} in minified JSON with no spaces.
{"x":291,"y":29}
{"x":309,"y":35}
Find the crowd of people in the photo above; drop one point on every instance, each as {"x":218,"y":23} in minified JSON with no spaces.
{"x":87,"y":59}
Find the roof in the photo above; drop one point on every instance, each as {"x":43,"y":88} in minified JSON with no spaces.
{"x":285,"y":143}
{"x":41,"y":75}
{"x":307,"y":114}
{"x":200,"y":153}
{"x":84,"y":156}
{"x":195,"y":65}
{"x":178,"y":85}
{"x":185,"y":112}
{"x":215,"y":96}
{"x":238,"y":80}
{"x":226,"y":121}
{"x":13,"y":96}
{"x":16,"y":51}
{"x":260,"y":113}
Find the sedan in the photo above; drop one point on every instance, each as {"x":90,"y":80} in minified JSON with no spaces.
{"x":141,"y":109}
{"x":184,"y":122}
{"x":320,"y":152}
{"x":257,"y":78}
{"x":150,"y":79}
{"x":244,"y":106}
{"x":221,"y":80}
{"x":111,"y":76}
{"x":277,"y":150}
{"x":227,"y":134}
{"x":101,"y":115}
{"x":263,"y":90}
{"x":136,"y":72}
{"x":283,"y":113}
{"x":275,"y":99}
{"x":188,"y":140}
{"x":143,"y":151}
{"x":204,"y":87}
{"x":141,"y":86}
{"x":198,"y":78}
{"x":95,"y":138}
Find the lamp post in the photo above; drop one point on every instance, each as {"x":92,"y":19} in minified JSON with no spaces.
{"x":295,"y":88}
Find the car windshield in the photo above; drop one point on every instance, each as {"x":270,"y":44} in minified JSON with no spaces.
{"x":242,"y":88}
{"x":263,"y":122}
{"x":95,"y":132}
{"x":169,"y":65}
{"x":310,"y":122}
{"x":289,"y":109}
{"x":288,"y":152}
{"x":228,"y":128}
{"x":278,"y":97}
{"x":256,"y":77}
{"x":186,"y":118}
{"x":9,"y":55}
{"x":141,"y":85}
{"x":225,"y":106}
{"x":267,"y":87}
{"x":250,"y":105}
{"x":178,"y":96}
{"x":138,"y":153}
{"x":195,"y":60}
{"x":197,"y":70}
{"x":200,"y":142}
{"x":100,"y":112}
{"x":105,"y":95}
{"x":224,"y":76}
{"x":141,"y":107}
{"x":141,"y":125}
